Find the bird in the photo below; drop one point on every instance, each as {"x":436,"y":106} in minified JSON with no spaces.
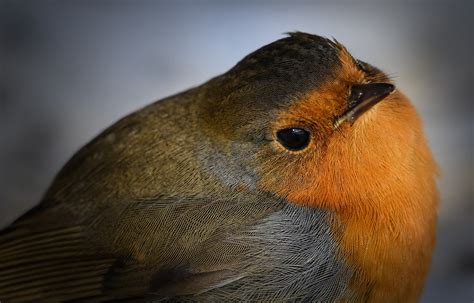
{"x":302,"y":174}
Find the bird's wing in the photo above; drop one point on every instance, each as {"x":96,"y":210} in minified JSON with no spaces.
{"x":151,"y":248}
{"x":54,"y":265}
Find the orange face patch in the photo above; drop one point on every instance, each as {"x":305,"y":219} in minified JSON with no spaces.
{"x":377,"y":176}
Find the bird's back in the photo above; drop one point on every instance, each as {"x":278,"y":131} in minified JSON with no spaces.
{"x":101,"y":232}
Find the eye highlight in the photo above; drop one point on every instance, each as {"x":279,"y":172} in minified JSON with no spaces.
{"x":293,"y":138}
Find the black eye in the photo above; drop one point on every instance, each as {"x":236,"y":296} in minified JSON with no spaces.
{"x":293,"y":138}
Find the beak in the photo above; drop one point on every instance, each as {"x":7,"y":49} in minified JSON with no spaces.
{"x":363,"y":97}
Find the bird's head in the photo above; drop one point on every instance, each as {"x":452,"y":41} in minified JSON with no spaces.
{"x":304,"y":119}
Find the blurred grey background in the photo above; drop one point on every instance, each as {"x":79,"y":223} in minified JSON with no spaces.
{"x":68,"y":69}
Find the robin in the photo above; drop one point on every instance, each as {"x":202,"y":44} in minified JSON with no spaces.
{"x":299,"y":175}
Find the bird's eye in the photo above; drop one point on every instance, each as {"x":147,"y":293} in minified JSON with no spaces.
{"x":293,"y":138}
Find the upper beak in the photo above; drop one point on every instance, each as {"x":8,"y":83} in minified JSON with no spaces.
{"x":363,"y":97}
